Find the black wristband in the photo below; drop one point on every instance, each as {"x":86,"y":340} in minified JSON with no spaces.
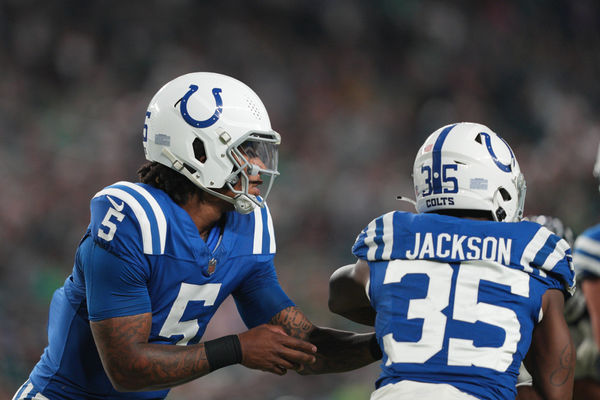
{"x":223,"y":351}
{"x":375,"y":349}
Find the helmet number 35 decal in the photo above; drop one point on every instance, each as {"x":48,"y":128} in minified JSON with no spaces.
{"x":437,"y":184}
{"x":145,"y":131}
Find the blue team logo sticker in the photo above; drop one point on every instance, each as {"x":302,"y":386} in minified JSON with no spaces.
{"x":207,"y":122}
{"x":488,"y":145}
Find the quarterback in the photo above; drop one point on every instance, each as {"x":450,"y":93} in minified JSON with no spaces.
{"x":463,"y":291}
{"x":159,"y":257}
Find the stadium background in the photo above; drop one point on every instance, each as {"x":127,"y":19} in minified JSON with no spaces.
{"x":354,"y":87}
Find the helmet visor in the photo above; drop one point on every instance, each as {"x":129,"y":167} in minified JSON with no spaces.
{"x":255,"y":159}
{"x":259,"y":154}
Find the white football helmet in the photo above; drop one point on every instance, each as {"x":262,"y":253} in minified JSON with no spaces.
{"x":233,"y":128}
{"x":466,"y":166}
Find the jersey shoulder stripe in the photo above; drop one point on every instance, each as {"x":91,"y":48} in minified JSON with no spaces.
{"x":587,"y":251}
{"x":252,"y":233}
{"x":378,"y":236}
{"x":545,"y":250}
{"x":159,"y":215}
{"x":144,"y":209}
{"x":547,"y":253}
{"x":28,"y":391}
{"x":535,"y":245}
{"x":263,"y":235}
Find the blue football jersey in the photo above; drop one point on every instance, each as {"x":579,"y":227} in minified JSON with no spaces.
{"x":586,"y":255}
{"x":143,"y":253}
{"x":457,"y":299}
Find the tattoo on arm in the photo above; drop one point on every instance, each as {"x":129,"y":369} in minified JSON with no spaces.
{"x":134,"y":364}
{"x":337,"y":351}
{"x":561,"y":374}
{"x":294,"y":322}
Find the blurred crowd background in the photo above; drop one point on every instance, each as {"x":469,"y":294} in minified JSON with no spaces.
{"x":354,"y":88}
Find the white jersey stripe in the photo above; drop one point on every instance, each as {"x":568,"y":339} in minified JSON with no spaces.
{"x":272,"y":246}
{"x":533,"y":247}
{"x":139,"y":212}
{"x":588,"y":245}
{"x":370,"y":240}
{"x":258,"y":231}
{"x":558,"y":254}
{"x":39,"y":396}
{"x":586,"y":263}
{"x":388,"y":235}
{"x":24,"y":392}
{"x":160,"y":216}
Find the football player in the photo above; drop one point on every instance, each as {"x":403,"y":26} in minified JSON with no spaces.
{"x":160,"y":256}
{"x":586,"y":319}
{"x":577,"y":315}
{"x":574,"y":310}
{"x":461,"y":290}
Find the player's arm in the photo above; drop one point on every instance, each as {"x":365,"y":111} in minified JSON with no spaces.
{"x":261,"y":299}
{"x":337,"y":351}
{"x":551,"y":356}
{"x":133,"y":364}
{"x":591,"y":291}
{"x":347,"y":293}
{"x":120,"y":318}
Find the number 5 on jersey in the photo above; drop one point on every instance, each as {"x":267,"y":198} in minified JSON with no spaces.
{"x":173,"y":325}
{"x":114,"y":211}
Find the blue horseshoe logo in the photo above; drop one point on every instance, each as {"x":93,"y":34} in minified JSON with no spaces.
{"x":207,"y":122}
{"x":488,"y":143}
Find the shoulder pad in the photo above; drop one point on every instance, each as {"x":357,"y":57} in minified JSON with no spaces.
{"x":126,"y":218}
{"x":376,"y":241}
{"x":587,"y":251}
{"x":549,"y":254}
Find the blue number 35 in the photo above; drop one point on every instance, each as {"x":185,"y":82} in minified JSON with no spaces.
{"x":437,"y":184}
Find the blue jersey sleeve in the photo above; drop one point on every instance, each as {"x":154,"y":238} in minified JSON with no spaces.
{"x":260,"y":297}
{"x":587,"y":253}
{"x":114,"y":287}
{"x":128,"y":221}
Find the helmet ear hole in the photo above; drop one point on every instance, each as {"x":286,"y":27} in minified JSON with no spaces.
{"x":505,"y":195}
{"x":199,"y":150}
{"x":500,"y":214}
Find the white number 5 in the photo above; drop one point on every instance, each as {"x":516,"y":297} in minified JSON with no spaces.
{"x":112,"y":227}
{"x":188,"y":292}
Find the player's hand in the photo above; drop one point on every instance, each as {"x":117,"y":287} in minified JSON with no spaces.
{"x":269,"y":348}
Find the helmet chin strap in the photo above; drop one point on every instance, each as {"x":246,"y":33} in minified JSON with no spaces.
{"x":407,"y":199}
{"x":241,"y":202}
{"x":498,"y":212}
